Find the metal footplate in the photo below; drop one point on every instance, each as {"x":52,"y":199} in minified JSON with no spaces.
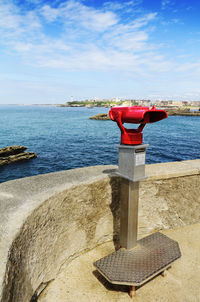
{"x":151,"y":256}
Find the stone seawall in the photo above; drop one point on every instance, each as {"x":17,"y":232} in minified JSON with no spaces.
{"x":48,"y":220}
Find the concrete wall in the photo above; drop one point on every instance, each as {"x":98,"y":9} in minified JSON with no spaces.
{"x":47,"y":220}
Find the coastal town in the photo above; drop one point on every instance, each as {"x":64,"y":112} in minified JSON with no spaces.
{"x":195,"y":105}
{"x":184,"y":108}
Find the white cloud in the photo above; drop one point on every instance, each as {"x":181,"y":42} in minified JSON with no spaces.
{"x":166,"y":4}
{"x":130,"y":41}
{"x":89,"y":39}
{"x":143,"y":21}
{"x":73,"y":11}
{"x":9,"y":19}
{"x":50,"y":14}
{"x":121,"y":5}
{"x":16,"y":27}
{"x":188,"y":66}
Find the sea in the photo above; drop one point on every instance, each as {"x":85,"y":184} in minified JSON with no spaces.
{"x":65,"y":138}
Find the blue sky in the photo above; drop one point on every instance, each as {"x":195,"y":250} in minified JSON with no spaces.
{"x":52,"y":50}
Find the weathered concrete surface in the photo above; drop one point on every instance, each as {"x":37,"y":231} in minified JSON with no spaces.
{"x":79,"y":281}
{"x":48,"y":220}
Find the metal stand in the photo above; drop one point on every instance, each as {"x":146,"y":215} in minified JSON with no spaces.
{"x":129,"y":213}
{"x":137,"y":261}
{"x":131,"y":169}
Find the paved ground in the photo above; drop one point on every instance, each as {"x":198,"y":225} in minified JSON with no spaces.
{"x":79,"y":282}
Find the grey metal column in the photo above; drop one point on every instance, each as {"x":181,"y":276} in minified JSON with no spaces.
{"x":129,"y":213}
{"x":131,"y":169}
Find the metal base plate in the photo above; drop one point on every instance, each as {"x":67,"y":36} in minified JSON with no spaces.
{"x":152,"y":255}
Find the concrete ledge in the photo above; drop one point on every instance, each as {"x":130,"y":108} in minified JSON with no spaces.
{"x":173,"y":169}
{"x":47,"y":220}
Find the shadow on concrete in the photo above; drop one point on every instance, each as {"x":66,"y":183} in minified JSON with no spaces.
{"x":115,"y":184}
{"x":108,"y":285}
{"x":110,"y":172}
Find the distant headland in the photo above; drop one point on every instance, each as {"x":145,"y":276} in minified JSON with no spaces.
{"x":183,"y":107}
{"x":187,"y":112}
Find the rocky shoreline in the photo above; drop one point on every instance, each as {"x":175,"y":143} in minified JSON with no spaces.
{"x":12,"y":154}
{"x":184,"y":112}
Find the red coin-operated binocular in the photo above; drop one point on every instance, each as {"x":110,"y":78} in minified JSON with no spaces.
{"x":136,"y":115}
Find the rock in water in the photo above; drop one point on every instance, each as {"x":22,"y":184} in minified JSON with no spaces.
{"x":101,"y":116}
{"x":14,"y":154}
{"x":12,"y":150}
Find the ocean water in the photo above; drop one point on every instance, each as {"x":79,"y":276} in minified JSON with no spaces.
{"x":65,"y":138}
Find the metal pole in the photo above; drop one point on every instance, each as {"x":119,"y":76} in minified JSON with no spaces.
{"x":131,"y":170}
{"x":129,"y":213}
